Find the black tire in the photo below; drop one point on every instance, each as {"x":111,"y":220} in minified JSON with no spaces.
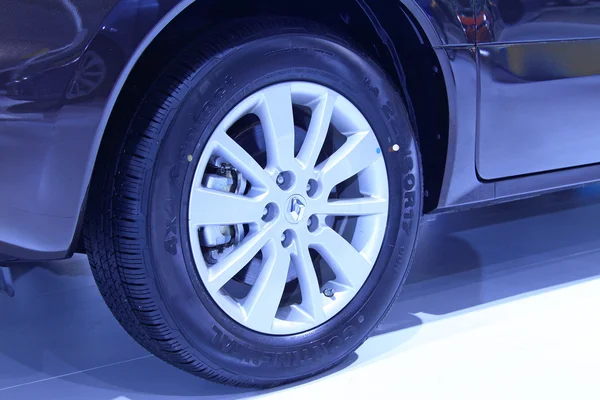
{"x":139,"y":248}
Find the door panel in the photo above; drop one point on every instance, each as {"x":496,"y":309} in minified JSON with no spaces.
{"x":539,"y":88}
{"x":542,"y":20}
{"x":539,"y":107}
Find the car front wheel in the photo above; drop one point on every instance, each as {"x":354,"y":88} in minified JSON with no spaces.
{"x":259,"y":216}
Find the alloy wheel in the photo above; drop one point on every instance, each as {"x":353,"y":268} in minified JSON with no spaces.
{"x":283,"y":237}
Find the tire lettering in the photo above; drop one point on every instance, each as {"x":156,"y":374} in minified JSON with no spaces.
{"x":408,"y":164}
{"x":319,"y":351}
{"x":409,"y":199}
{"x":404,"y":141}
{"x":406,"y":227}
{"x":307,"y":355}
{"x":372,"y":88}
{"x":333,"y":343}
{"x":286,"y":359}
{"x":348,"y":332}
{"x":409,"y":182}
{"x":400,"y":257}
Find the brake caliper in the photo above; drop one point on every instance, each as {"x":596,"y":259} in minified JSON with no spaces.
{"x":219,"y":240}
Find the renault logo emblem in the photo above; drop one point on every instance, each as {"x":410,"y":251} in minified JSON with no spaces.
{"x":295,"y":209}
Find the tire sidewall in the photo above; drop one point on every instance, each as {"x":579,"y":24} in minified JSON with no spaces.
{"x":216,"y":87}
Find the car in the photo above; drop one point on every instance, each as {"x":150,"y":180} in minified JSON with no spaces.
{"x":248,"y":178}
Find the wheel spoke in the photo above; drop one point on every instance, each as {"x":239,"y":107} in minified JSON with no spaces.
{"x":360,"y":150}
{"x":312,"y":299}
{"x":277,"y":119}
{"x":96,"y":62}
{"x":241,"y":160}
{"x":87,"y":82}
{"x":92,"y":73}
{"x":223,"y":271}
{"x":317,"y":130}
{"x":92,"y":61}
{"x":354,"y":207}
{"x":213,"y":207}
{"x":349,"y":266}
{"x":263,"y":300}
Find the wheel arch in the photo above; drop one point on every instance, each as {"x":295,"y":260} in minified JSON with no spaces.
{"x":393,"y":45}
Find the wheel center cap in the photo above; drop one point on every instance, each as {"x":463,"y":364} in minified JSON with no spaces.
{"x":295,"y":208}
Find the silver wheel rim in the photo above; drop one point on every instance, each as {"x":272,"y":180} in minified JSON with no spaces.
{"x":88,"y":77}
{"x":285,"y":244}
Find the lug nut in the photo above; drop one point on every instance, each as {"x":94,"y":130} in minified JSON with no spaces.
{"x":312,"y":223}
{"x":280,"y":180}
{"x":329,"y":292}
{"x":265,"y":212}
{"x":311,"y":187}
{"x":283,"y":237}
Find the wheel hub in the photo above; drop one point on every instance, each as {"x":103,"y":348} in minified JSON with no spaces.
{"x":295,"y":209}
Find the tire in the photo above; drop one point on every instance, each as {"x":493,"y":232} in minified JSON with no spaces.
{"x":136,"y":229}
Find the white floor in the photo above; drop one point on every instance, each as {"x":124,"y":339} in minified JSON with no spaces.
{"x":502,"y":303}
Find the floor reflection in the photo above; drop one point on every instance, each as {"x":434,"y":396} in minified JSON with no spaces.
{"x":57,"y":331}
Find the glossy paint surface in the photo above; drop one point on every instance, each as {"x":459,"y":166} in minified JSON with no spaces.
{"x":539,"y":107}
{"x":452,"y":19}
{"x":539,"y":64}
{"x":54,"y":106}
{"x":537,"y":20}
{"x":48,"y":135}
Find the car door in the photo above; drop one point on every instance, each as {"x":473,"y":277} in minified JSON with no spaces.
{"x":539,"y":86}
